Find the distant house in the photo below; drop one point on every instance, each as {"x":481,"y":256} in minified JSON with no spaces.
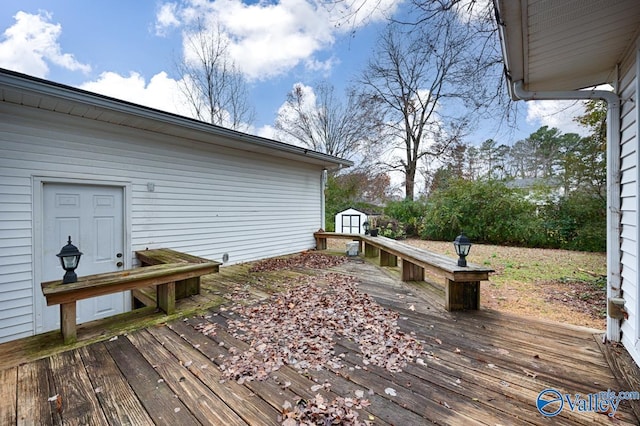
{"x":559,"y":49}
{"x":118,"y":177}
{"x":534,"y":188}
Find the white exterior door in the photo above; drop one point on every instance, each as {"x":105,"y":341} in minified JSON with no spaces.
{"x":93,"y":216}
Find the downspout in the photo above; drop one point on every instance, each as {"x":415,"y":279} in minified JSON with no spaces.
{"x":323,"y":185}
{"x":613,"y":184}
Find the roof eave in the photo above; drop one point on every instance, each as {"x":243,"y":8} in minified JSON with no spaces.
{"x":44,"y":88}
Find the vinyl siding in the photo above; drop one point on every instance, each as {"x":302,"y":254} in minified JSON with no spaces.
{"x":207,"y":200}
{"x":629,"y":205}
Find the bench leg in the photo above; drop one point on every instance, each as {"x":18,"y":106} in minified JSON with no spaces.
{"x":388,"y":259}
{"x":166,"y":296}
{"x":321,"y":243}
{"x":412,"y":272}
{"x":68,"y":322}
{"x":370,"y":251}
{"x":460,"y":296}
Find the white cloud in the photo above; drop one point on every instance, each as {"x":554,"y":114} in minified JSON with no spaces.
{"x":558,"y":114}
{"x":166,"y":18}
{"x":268,"y":39}
{"x":161,"y":92}
{"x":31,"y":44}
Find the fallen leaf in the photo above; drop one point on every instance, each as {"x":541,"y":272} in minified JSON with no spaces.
{"x":390,"y":391}
{"x":412,"y":308}
{"x":53,"y":398}
{"x":114,"y":338}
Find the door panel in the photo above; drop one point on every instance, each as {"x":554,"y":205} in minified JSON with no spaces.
{"x":93,"y":216}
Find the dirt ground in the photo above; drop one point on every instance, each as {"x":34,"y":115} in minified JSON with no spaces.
{"x":557,"y":285}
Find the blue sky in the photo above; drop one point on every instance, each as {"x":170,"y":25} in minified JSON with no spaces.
{"x":127,"y":49}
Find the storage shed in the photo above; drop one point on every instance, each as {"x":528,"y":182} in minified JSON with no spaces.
{"x":350,"y":221}
{"x":119,"y":177}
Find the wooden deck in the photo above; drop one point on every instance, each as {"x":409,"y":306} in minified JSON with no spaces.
{"x":480,"y":367}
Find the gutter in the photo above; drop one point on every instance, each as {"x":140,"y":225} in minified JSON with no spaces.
{"x":614,"y":291}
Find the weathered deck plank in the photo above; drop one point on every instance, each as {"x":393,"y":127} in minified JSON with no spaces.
{"x":205,"y":405}
{"x":254,"y":409}
{"x":37,"y":397}
{"x":156,"y":396}
{"x":117,"y":399}
{"x":8,"y":397}
{"x":79,"y":405}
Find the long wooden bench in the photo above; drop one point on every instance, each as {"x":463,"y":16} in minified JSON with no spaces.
{"x":162,"y":277}
{"x":462,"y":283}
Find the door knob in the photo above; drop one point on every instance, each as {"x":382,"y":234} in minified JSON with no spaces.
{"x":119,"y":264}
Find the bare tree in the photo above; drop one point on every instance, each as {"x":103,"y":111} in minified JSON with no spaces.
{"x":211,"y":82}
{"x":317,"y":119}
{"x":419,"y":78}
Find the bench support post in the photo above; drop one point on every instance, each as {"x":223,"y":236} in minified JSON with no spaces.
{"x":460,"y":296}
{"x":321,"y":243}
{"x":411,"y":271}
{"x":370,"y":251}
{"x":166,"y":297}
{"x":388,"y":259}
{"x":68,"y":322}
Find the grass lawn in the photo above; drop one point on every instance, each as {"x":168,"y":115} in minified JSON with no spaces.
{"x":559,"y":285}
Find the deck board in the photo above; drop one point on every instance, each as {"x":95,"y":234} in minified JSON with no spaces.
{"x":480,"y":367}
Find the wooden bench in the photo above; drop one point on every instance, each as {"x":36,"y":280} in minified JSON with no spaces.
{"x":462,"y":283}
{"x":184,"y":288}
{"x":162,"y":277}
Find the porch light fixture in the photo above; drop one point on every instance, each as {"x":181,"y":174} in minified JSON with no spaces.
{"x":462,"y":245}
{"x":69,"y":259}
{"x":366,"y":227}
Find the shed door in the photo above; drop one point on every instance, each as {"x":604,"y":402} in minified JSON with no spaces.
{"x":93,"y":217}
{"x":351,"y":224}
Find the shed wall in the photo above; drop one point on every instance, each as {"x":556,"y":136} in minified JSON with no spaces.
{"x":206,"y":200}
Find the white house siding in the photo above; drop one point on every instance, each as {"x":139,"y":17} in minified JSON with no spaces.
{"x":207,"y":200}
{"x":629,"y":204}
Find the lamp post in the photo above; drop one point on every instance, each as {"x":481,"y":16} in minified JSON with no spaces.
{"x":462,"y":245}
{"x":69,"y":258}
{"x":365,"y":225}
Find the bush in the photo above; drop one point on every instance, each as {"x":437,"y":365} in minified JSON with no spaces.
{"x":576,"y":222}
{"x":407,"y":214}
{"x":487,"y":211}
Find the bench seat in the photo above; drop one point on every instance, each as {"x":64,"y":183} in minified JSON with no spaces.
{"x":184,"y":288}
{"x":163,"y":277}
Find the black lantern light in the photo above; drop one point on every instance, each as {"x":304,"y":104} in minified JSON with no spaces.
{"x":462,"y":245}
{"x":366,"y":227}
{"x":69,"y":258}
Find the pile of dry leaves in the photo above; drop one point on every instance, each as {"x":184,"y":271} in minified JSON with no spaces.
{"x":298,"y":328}
{"x":318,"y":411}
{"x":307,"y":259}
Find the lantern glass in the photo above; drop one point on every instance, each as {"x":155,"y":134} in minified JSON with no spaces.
{"x":366,"y":227}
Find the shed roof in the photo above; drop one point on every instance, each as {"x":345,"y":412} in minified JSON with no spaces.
{"x":34,"y":92}
{"x":556,"y":45}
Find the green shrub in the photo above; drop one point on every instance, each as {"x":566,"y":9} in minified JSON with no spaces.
{"x":487,"y":211}
{"x":408,"y":215}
